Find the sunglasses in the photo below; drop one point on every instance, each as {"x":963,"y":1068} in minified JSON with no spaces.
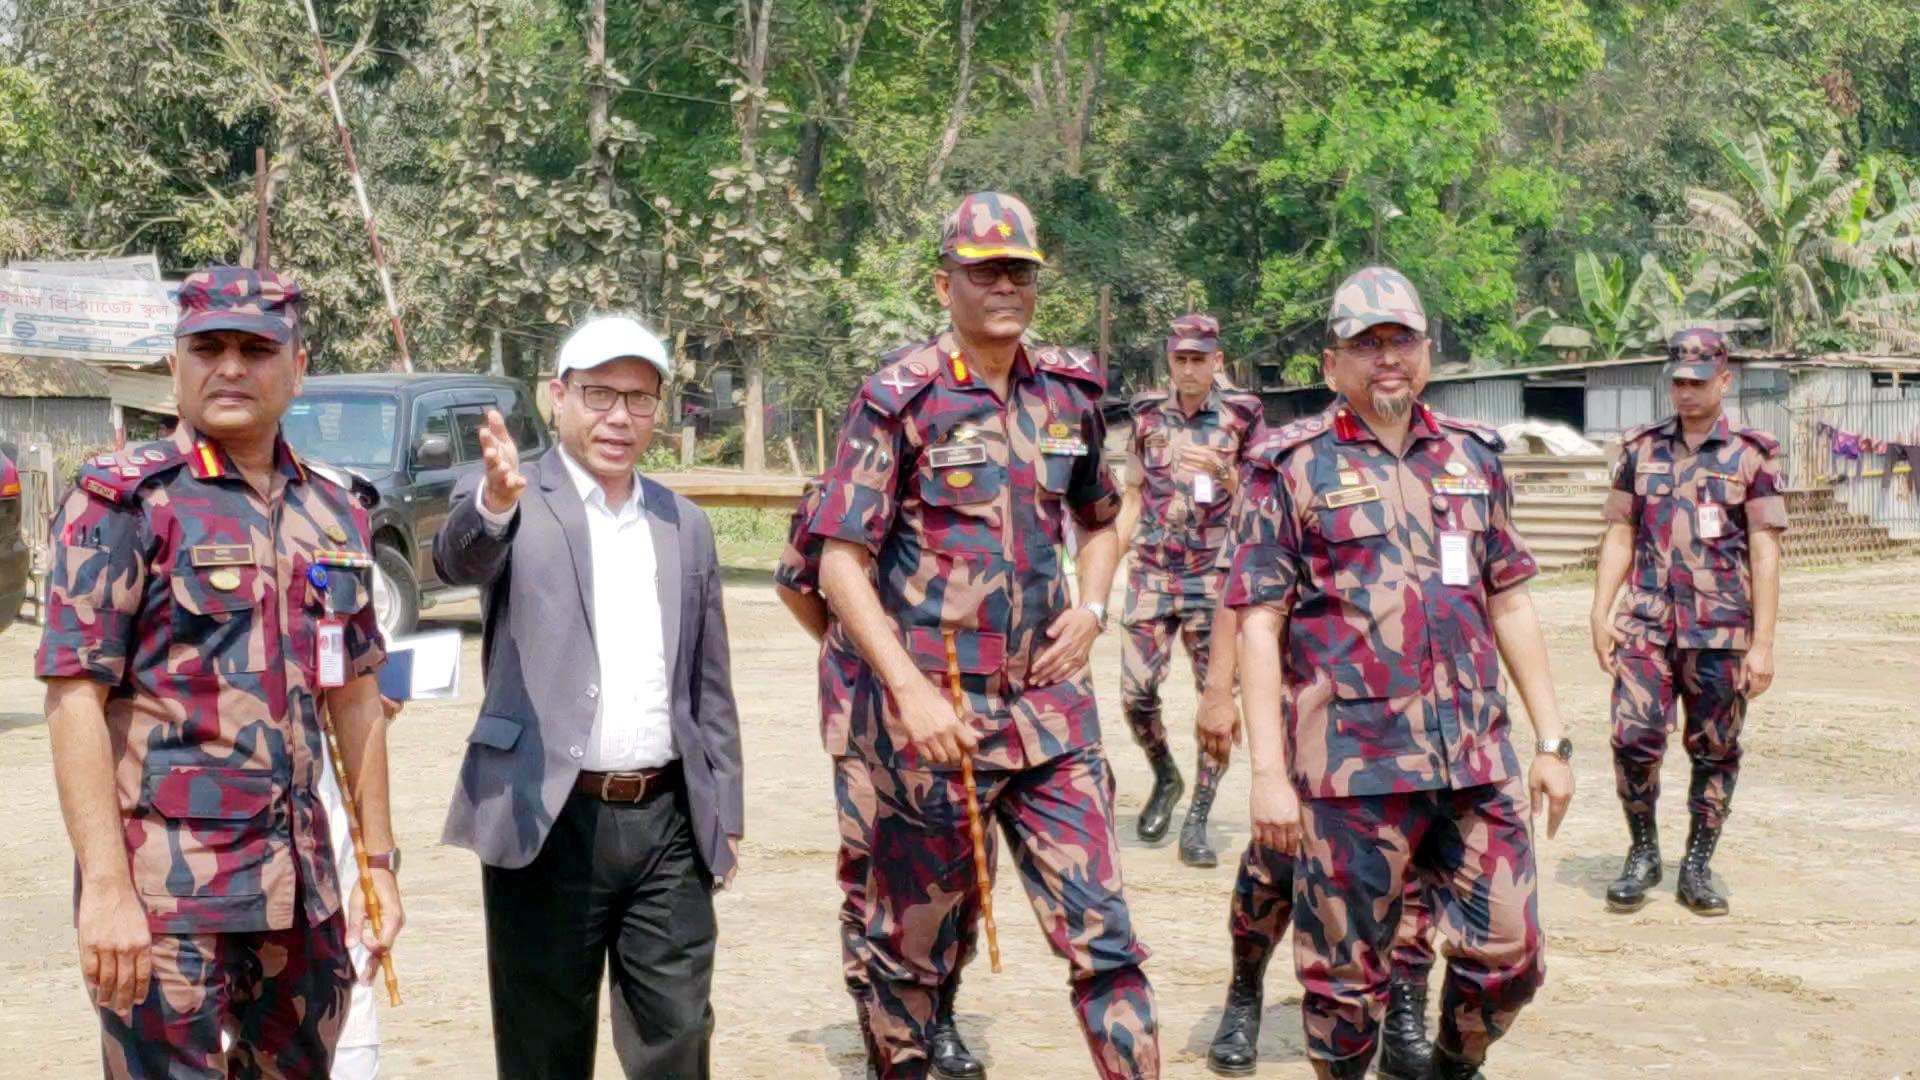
{"x":987,"y":274}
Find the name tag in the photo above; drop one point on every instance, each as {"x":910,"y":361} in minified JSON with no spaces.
{"x":1202,"y":488}
{"x":221,"y":555}
{"x":1657,"y":468}
{"x":946,"y":457}
{"x":1353,"y":496}
{"x":1453,"y":558}
{"x":331,"y":645}
{"x":1712,"y":522}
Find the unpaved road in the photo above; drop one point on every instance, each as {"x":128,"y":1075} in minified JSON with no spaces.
{"x":1817,"y":972}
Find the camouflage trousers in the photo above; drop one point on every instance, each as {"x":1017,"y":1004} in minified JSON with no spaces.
{"x":1152,"y":620}
{"x":1263,"y":908}
{"x":1707,"y":682}
{"x":1058,"y":820}
{"x":1472,"y":851}
{"x":854,"y":805}
{"x":282,"y":994}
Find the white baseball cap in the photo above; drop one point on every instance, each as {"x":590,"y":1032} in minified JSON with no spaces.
{"x":611,"y":337}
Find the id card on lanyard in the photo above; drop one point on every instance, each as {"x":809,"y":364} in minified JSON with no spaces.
{"x":1454,"y":562}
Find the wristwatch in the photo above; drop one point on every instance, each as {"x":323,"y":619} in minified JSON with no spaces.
{"x":386,"y":860}
{"x":1099,"y":612}
{"x":1561,"y":748}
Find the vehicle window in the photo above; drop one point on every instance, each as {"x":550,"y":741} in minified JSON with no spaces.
{"x":467,"y":424}
{"x":435,"y":424}
{"x":522,"y":422}
{"x":351,"y":430}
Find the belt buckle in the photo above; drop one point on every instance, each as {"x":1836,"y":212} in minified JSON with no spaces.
{"x":606,"y":785}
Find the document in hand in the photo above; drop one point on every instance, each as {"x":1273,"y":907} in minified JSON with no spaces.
{"x":422,"y":666}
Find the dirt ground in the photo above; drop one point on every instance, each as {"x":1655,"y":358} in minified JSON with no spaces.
{"x":1813,"y":975}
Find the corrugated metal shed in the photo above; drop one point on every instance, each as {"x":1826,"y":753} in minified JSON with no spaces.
{"x":46,"y":376}
{"x":63,"y":403}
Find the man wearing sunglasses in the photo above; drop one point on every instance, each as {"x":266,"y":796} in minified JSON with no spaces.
{"x":963,"y":462}
{"x":601,"y":786}
{"x":1377,"y":554}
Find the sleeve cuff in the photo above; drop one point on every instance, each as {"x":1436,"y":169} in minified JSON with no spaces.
{"x":1619,"y":508}
{"x":1767,"y":512}
{"x":496,"y":523}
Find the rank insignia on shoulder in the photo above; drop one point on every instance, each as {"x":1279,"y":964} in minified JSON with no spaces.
{"x":1352,"y":496}
{"x":946,"y":457}
{"x":100,"y":488}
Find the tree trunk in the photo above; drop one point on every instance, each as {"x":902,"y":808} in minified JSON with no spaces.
{"x":598,"y":144}
{"x":753,"y":419}
{"x":756,"y":19}
{"x":971,"y":16}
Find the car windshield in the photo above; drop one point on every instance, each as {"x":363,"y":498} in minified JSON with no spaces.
{"x":351,"y":430}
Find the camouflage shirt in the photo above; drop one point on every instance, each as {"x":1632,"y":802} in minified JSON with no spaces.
{"x":799,"y":570}
{"x":1391,"y":675}
{"x":963,"y":500}
{"x":191,"y":596}
{"x":1179,"y":539}
{"x":1691,"y":512}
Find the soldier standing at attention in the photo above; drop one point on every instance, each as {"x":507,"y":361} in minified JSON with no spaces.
{"x":1694,"y":518}
{"x":1183,"y":466}
{"x":797,"y":583}
{"x":955,"y":478}
{"x":1379,"y":553}
{"x":209,"y":596}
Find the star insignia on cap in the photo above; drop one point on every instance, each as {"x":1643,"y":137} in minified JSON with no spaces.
{"x":1006,"y":230}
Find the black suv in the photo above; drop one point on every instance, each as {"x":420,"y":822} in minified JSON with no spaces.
{"x":14,"y":558}
{"x":413,"y":437}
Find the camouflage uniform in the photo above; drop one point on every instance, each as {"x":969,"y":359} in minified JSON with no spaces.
{"x":1396,"y":728}
{"x":799,"y":570}
{"x":1176,"y":571}
{"x":963,"y":500}
{"x":193,"y":597}
{"x":1688,"y":618}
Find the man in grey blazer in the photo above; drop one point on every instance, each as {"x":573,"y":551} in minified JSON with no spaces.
{"x":601,"y":786}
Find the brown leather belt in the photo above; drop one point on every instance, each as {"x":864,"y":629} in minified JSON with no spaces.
{"x":627,"y":787}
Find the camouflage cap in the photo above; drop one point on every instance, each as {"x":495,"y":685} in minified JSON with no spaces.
{"x":1371,"y":297}
{"x":988,"y":225}
{"x":1696,"y":354}
{"x":233,"y":298}
{"x":1194,"y":333}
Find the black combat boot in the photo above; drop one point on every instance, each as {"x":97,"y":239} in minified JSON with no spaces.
{"x":1448,"y":1067}
{"x":1167,"y":789}
{"x":1405,"y":1053}
{"x":1642,"y":870}
{"x":1696,"y":880}
{"x":1194,"y":849}
{"x":1235,"y":1050}
{"x":950,"y":1058}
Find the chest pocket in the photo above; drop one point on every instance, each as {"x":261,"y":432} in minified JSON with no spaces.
{"x":217,"y":621}
{"x":1655,"y":485}
{"x":1354,"y":547}
{"x":963,"y":506}
{"x":1727,"y":490}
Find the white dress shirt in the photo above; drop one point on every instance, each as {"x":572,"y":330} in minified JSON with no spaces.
{"x":633,"y":720}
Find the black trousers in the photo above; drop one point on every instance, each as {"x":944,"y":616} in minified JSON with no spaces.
{"x":619,"y":886}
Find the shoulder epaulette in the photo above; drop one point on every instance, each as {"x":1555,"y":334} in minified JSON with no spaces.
{"x":117,"y":477}
{"x":346,"y":480}
{"x":1767,"y":443}
{"x":1076,"y":364}
{"x":1279,"y":441}
{"x":906,"y":373}
{"x":1483,"y":432}
{"x":1642,"y":430}
{"x":1146,"y":399}
{"x":1249,"y":406}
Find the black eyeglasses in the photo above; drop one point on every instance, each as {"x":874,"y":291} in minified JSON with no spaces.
{"x":1374,"y":346}
{"x":601,"y":399}
{"x":1018,"y":272}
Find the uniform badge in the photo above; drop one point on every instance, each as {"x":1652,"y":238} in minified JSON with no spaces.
{"x":1461,"y":485}
{"x":946,"y":457}
{"x":336,"y":534}
{"x":130,"y":472}
{"x":225,"y":580}
{"x":104,"y":461}
{"x":1456,"y":468}
{"x":1353,"y":496}
{"x":1059,"y":430}
{"x":1073,"y":447}
{"x":959,"y":479}
{"x":341,"y":560}
{"x":917,"y":367}
{"x":1156,"y":441}
{"x":100,"y":488}
{"x":221,"y":555}
{"x":1349,"y":478}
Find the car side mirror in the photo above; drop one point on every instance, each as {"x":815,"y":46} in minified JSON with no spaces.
{"x":433,"y":452}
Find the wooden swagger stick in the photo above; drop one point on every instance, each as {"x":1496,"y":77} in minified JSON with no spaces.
{"x":372,"y":898}
{"x":974,"y":829}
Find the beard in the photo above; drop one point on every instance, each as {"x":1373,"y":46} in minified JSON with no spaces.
{"x":1390,"y":405}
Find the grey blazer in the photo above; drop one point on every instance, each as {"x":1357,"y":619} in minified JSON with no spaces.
{"x":542,"y":673}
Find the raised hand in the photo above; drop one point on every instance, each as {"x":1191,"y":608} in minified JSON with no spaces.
{"x":504,"y":483}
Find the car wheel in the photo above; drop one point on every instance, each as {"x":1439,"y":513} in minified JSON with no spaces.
{"x":396,"y":592}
